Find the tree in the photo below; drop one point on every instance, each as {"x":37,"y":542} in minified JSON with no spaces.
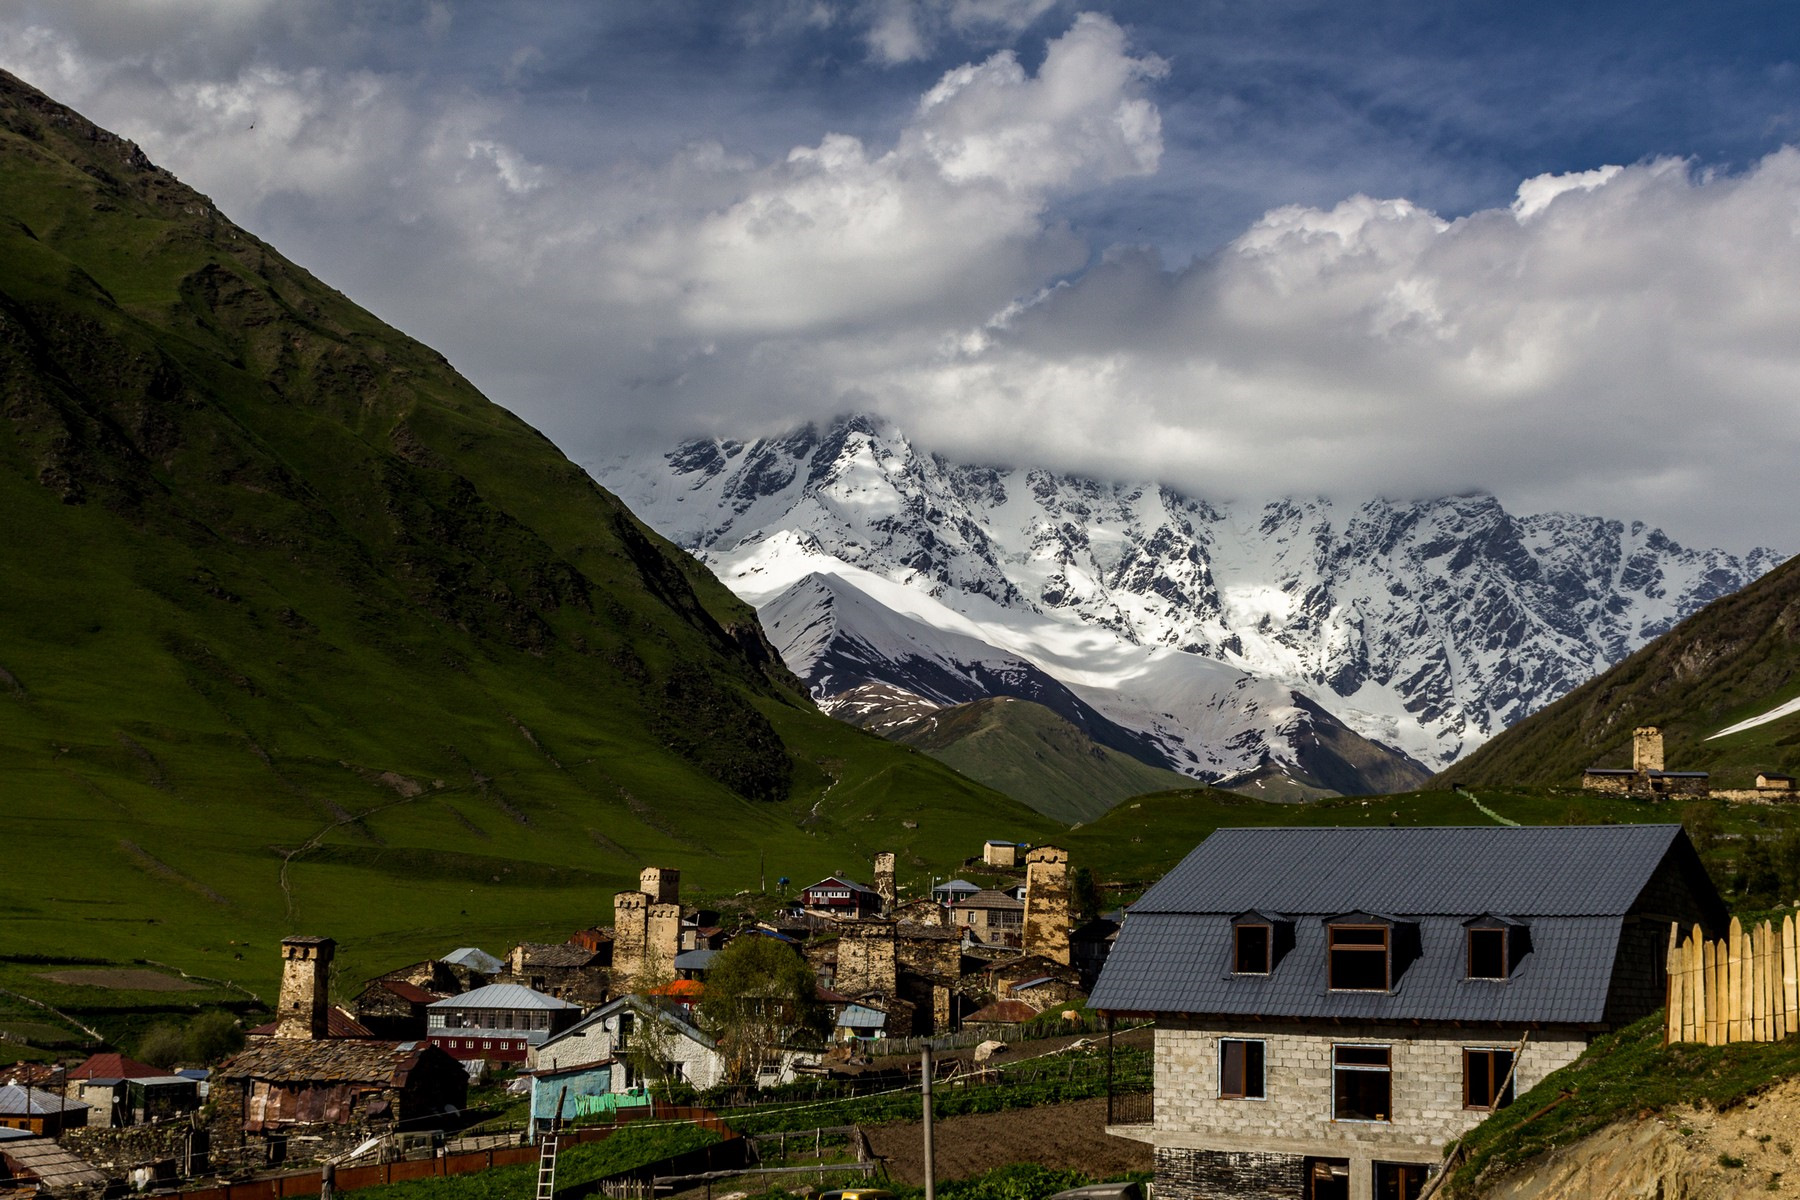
{"x":1084,"y":896}
{"x":761,"y":997}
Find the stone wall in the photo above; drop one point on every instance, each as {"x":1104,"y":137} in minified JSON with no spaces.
{"x":1203,"y":1174}
{"x":884,"y":880}
{"x":116,"y":1151}
{"x":867,"y":959}
{"x":1427,"y":1086}
{"x":662,"y":939}
{"x":1046,"y":929}
{"x":1647,"y":749}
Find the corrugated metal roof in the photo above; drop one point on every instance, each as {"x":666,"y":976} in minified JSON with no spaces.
{"x":1571,"y":886}
{"x":502,"y":995}
{"x":18,"y":1100}
{"x":1570,"y":871}
{"x":56,"y":1168}
{"x":695,"y":960}
{"x":112,"y":1066}
{"x":855,"y":1016}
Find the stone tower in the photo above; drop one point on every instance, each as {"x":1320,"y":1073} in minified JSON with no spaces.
{"x":884,"y":880}
{"x":661,"y":884}
{"x":1646,"y":749}
{"x":303,"y":1011}
{"x":662,"y":941}
{"x":631,"y":917}
{"x":1046,"y":929}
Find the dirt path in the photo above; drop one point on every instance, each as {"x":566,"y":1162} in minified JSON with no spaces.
{"x":1070,"y":1136}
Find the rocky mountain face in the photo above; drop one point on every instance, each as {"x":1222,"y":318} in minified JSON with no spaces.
{"x":1224,"y":635}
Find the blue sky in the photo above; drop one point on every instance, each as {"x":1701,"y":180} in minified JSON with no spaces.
{"x":1243,"y":248}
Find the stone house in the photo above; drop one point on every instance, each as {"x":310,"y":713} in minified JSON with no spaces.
{"x":299,"y":1079}
{"x":563,"y":969}
{"x":1005,"y":855}
{"x":990,"y":918}
{"x":1334,"y":1006}
{"x":394,"y":1008}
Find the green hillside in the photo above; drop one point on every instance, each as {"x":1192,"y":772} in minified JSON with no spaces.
{"x":299,"y":632}
{"x":1735,"y":659}
{"x":1034,"y":756}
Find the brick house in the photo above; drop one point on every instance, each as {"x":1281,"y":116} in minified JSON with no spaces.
{"x":1334,"y":1006}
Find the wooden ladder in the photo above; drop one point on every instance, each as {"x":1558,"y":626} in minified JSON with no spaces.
{"x":546,"y":1189}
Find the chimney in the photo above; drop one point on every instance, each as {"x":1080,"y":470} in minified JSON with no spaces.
{"x":303,"y":1011}
{"x":1646,"y":749}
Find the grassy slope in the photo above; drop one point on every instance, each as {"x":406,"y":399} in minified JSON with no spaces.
{"x":1034,"y":756}
{"x":283,"y":587}
{"x":1139,"y":841}
{"x":1622,"y":1074}
{"x":1736,"y":658}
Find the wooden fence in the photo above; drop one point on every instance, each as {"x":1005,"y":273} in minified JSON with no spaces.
{"x":1745,"y":988}
{"x":306,"y":1183}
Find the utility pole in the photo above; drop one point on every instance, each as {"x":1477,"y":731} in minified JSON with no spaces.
{"x":925,"y":1106}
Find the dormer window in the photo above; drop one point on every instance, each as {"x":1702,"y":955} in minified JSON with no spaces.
{"x":1251,"y":949}
{"x":1494,"y":947}
{"x":1359,"y":957}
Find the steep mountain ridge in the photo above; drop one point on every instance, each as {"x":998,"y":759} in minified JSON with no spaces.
{"x":1721,"y":685}
{"x":1421,"y":626}
{"x":298,"y":628}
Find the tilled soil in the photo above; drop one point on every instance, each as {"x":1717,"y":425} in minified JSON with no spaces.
{"x":1070,"y":1136}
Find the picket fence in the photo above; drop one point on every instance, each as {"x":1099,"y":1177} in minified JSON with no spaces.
{"x":1743,"y":988}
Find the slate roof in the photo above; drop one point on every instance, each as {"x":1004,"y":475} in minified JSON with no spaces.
{"x":502,"y":996}
{"x":560,"y":954}
{"x":296,"y":1060}
{"x":56,"y":1168}
{"x":1570,"y":886}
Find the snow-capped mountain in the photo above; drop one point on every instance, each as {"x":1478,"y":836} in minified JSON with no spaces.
{"x":1221,"y":635}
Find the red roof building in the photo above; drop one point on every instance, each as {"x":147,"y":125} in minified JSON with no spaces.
{"x":116,"y":1066}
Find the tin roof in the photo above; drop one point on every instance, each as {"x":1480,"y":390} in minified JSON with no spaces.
{"x":112,"y":1066}
{"x":476,"y":959}
{"x":19,"y":1100}
{"x":502,"y":996}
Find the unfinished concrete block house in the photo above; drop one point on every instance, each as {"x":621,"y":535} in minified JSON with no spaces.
{"x":1333,"y":1006}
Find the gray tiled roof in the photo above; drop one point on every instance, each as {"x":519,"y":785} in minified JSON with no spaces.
{"x":1571,"y":886}
{"x":1569,"y":871}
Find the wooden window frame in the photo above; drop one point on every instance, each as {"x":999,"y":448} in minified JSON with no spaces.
{"x":1333,"y":949}
{"x":1237,"y":947}
{"x":1495,"y":1076}
{"x":1243,"y":1081}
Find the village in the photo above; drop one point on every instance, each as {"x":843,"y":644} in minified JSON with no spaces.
{"x":1328,"y":1011}
{"x":602,"y":1025}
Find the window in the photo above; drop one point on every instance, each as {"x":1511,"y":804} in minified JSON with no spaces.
{"x":1240,"y":1069}
{"x":1484,"y":1074}
{"x":1361,"y":1083}
{"x":1359,"y":958}
{"x":1400,"y":1181}
{"x":1487,"y":954}
{"x":1250,"y":951}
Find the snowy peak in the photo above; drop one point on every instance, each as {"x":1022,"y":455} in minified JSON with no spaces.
{"x":1424,"y":626}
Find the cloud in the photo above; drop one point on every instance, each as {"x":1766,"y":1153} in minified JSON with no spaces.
{"x":1614,"y":340}
{"x":904,"y":31}
{"x":1617,"y":341}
